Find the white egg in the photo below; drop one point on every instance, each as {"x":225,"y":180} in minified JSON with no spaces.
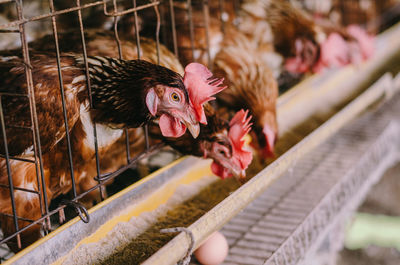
{"x":213,"y":251}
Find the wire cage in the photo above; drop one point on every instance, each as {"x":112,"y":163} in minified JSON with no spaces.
{"x":134,"y":21}
{"x":143,"y":29}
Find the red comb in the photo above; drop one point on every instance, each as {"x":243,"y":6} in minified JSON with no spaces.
{"x":239,"y":126}
{"x":200,"y":87}
{"x":336,"y":51}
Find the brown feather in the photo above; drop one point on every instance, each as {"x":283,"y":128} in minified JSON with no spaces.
{"x":48,"y":102}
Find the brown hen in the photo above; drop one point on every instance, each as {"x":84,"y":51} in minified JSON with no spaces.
{"x":251,"y":86}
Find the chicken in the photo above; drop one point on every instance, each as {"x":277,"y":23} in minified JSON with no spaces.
{"x":251,"y":86}
{"x":124,"y":94}
{"x":103,"y":43}
{"x":118,"y":85}
{"x":220,"y":140}
{"x":94,"y":40}
{"x":308,"y":44}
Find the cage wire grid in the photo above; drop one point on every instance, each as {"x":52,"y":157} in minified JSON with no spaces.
{"x":114,"y":10}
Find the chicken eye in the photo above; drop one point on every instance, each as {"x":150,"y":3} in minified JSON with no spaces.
{"x":223,"y":152}
{"x":175,"y":97}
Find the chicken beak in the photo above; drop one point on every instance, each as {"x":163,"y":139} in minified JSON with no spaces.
{"x":239,"y":174}
{"x":270,"y":137}
{"x":194,"y":129}
{"x":242,"y":177}
{"x":235,"y":170}
{"x":188,"y":117}
{"x":242,"y":174}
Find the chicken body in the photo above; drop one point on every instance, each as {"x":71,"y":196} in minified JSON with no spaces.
{"x":287,"y":23}
{"x":119,"y":89}
{"x":103,"y":43}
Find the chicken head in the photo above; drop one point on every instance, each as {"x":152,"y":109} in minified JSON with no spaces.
{"x":229,"y":154}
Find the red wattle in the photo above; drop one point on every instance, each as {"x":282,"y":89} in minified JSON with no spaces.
{"x":295,"y":65}
{"x":220,"y":171}
{"x":171,"y":127}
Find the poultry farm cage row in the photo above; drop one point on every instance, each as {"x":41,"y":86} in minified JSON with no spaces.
{"x":183,"y":26}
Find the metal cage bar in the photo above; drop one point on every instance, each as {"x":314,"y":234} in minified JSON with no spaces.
{"x":89,"y":89}
{"x":191,"y":27}
{"x":10,"y":180}
{"x":40,"y":177}
{"x":206,"y":16}
{"x":62,"y":91}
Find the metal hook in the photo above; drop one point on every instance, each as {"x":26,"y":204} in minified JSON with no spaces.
{"x":79,"y":209}
{"x":186,"y":259}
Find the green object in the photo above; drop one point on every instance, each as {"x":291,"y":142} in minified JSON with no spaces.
{"x":369,"y":229}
